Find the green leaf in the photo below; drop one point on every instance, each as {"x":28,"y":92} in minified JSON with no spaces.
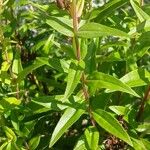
{"x":111,"y":58}
{"x":84,"y":48}
{"x":136,"y":78}
{"x":9,"y":146}
{"x":110,"y":124}
{"x":3,"y":145}
{"x":5,"y":77}
{"x":69,"y":117}
{"x":128,"y":113}
{"x":80,"y":145}
{"x":114,"y":44}
{"x":74,"y":76}
{"x":119,"y":110}
{"x":93,"y":30}
{"x":90,"y":59}
{"x":144,"y":26}
{"x":50,"y":102}
{"x":100,"y":80}
{"x":107,"y":9}
{"x":61,"y":24}
{"x":48,"y":44}
{"x":34,"y":142}
{"x":17,"y":65}
{"x":91,"y":138}
{"x":146,"y":143}
{"x":143,"y":45}
{"x":40,"y":7}
{"x":138,"y":144}
{"x":55,"y":102}
{"x":5,"y":66}
{"x":7,"y":103}
{"x":144,"y":128}
{"x":14,"y":120}
{"x":9,"y":133}
{"x":139,"y":12}
{"x":12,"y":100}
{"x":59,"y":64}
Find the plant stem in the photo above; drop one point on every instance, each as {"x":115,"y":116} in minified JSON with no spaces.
{"x":77,"y":46}
{"x":141,"y":2}
{"x":75,"y":27}
{"x":141,"y":109}
{"x":86,"y":95}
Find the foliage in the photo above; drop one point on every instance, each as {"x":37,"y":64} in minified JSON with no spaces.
{"x":74,"y":75}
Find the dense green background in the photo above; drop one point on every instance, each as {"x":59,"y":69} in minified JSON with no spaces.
{"x":66,"y":88}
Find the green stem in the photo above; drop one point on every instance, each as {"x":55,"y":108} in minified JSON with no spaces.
{"x":86,"y":95}
{"x":141,"y":2}
{"x":78,"y":52}
{"x":75,"y":27}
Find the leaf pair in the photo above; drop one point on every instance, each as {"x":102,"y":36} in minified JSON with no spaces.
{"x":103,"y":118}
{"x":88,"y":30}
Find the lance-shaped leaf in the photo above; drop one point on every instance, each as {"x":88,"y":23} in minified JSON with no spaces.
{"x":4,"y":145}
{"x":93,"y":30}
{"x":146,"y":143}
{"x":55,"y":103}
{"x":34,"y":142}
{"x":136,"y":78}
{"x":8,"y":103}
{"x":100,"y":80}
{"x":80,"y":6}
{"x":74,"y":75}
{"x":69,"y":117}
{"x":111,"y":125}
{"x":138,"y":144}
{"x":139,"y":12}
{"x":61,"y":24}
{"x":80,"y":145}
{"x":17,"y":64}
{"x":91,"y":138}
{"x":144,"y":26}
{"x":106,"y":9}
{"x":50,"y":102}
{"x":10,"y":134}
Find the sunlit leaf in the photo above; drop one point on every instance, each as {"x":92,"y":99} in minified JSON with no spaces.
{"x":93,"y":30}
{"x":91,"y":138}
{"x":69,"y":117}
{"x":139,"y":12}
{"x":34,"y":142}
{"x":74,"y":76}
{"x":139,"y":77}
{"x":9,"y":133}
{"x":62,"y":25}
{"x":100,"y":80}
{"x":107,"y":9}
{"x":110,"y":124}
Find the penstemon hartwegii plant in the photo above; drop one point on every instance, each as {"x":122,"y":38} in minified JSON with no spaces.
{"x":74,"y":75}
